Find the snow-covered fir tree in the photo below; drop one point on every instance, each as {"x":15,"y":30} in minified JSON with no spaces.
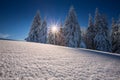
{"x":72,"y":29}
{"x":90,"y":34}
{"x":115,"y":36}
{"x":38,"y":31}
{"x":33,"y":35}
{"x":43,"y":32}
{"x":101,"y":39}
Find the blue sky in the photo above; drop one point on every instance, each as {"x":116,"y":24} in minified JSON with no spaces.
{"x":16,"y":16}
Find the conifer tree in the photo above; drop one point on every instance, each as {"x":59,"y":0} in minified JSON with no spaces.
{"x":72,"y":29}
{"x":90,"y":34}
{"x":34,"y":31}
{"x":101,"y":39}
{"x":115,"y":36}
{"x":43,"y":32}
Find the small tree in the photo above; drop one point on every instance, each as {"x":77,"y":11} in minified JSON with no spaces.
{"x":60,"y":37}
{"x":50,"y":38}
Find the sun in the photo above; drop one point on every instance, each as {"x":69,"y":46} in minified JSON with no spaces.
{"x":54,"y":28}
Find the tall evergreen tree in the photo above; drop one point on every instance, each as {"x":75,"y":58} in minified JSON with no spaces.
{"x":101,"y":39}
{"x":115,"y":36}
{"x":43,"y":32}
{"x":90,"y":34}
{"x":34,"y":31}
{"x":72,"y":29}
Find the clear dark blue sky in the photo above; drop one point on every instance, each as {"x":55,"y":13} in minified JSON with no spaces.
{"x":16,"y":15}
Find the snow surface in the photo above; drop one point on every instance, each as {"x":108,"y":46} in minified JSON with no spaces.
{"x":34,"y":61}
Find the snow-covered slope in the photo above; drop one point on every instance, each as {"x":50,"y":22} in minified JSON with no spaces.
{"x":34,"y":61}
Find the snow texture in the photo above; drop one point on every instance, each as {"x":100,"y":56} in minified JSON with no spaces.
{"x":35,"y":61}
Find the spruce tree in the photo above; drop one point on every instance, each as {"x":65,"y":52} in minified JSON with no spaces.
{"x":101,"y":39}
{"x":43,"y":32}
{"x":34,"y":31}
{"x":90,"y":34}
{"x":115,"y":36}
{"x":72,"y":29}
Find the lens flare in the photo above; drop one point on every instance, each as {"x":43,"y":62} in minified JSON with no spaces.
{"x":54,"y":28}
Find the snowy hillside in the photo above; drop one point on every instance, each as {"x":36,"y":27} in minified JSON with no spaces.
{"x":34,"y":61}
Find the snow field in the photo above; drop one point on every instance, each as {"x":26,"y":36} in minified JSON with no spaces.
{"x":34,"y":61}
